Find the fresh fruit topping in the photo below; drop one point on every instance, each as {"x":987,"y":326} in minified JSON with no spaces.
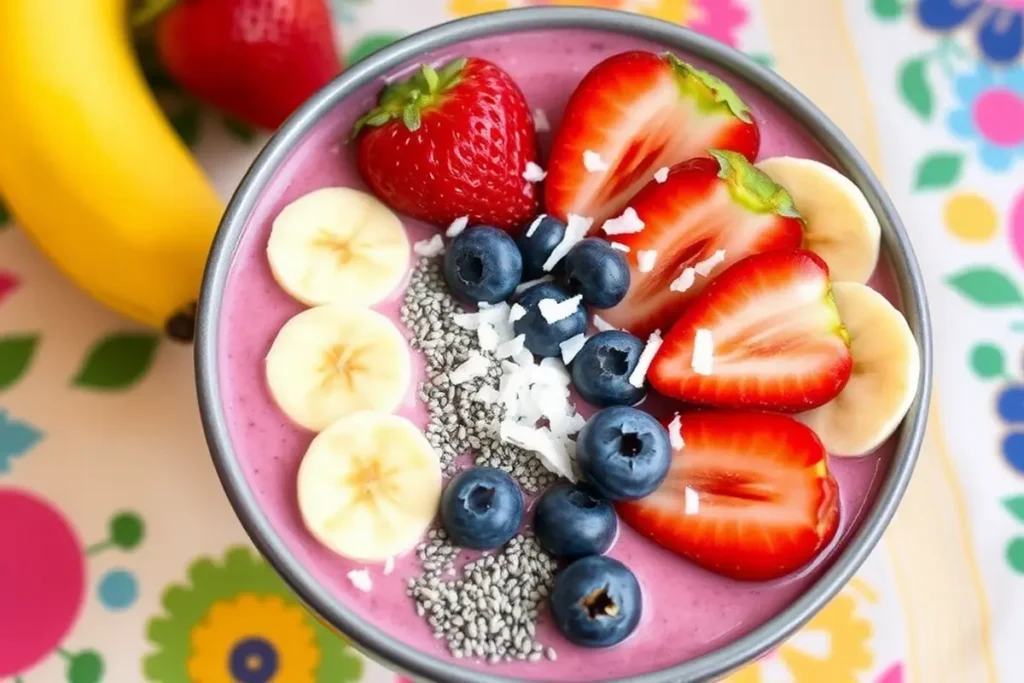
{"x":596,"y":602}
{"x":632,"y":114}
{"x":542,"y":337}
{"x":482,"y":264}
{"x":841,"y":227}
{"x":482,"y":508}
{"x":623,"y":453}
{"x":575,"y":230}
{"x":369,"y":486}
{"x":601,"y":370}
{"x":572,"y":521}
{"x":883,"y":384}
{"x":255,"y":60}
{"x":709,"y":213}
{"x":450,"y":143}
{"x":331,"y":361}
{"x":764,"y":334}
{"x":537,"y":242}
{"x":748,"y":496}
{"x":597,"y":272}
{"x":338,"y":244}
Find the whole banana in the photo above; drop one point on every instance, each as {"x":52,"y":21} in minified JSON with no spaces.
{"x":90,"y":168}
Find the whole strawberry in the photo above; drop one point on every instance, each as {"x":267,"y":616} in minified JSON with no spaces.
{"x":257,"y":60}
{"x":451,"y":143}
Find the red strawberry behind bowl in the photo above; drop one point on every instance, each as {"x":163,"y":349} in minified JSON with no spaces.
{"x":748,"y":495}
{"x":772,"y":336}
{"x":636,"y":112}
{"x":257,"y":60}
{"x":451,"y":143}
{"x":706,"y":206}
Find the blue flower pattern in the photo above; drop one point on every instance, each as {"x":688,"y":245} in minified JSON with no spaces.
{"x":999,"y":26}
{"x":969,"y":87}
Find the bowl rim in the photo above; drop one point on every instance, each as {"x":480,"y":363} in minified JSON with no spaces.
{"x":369,"y":638}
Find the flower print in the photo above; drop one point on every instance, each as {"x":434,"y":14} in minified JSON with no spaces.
{"x":832,"y":647}
{"x":719,"y":19}
{"x":235,"y":621}
{"x":992,"y":113}
{"x":999,"y":23}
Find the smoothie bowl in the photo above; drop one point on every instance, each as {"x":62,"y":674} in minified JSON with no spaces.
{"x":562,"y":345}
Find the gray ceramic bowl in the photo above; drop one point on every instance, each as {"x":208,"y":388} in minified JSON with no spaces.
{"x":369,"y":638}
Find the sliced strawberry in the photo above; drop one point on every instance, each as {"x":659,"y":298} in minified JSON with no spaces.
{"x":749,"y":496}
{"x":639,"y":111}
{"x":778,"y":343}
{"x":704,"y":206}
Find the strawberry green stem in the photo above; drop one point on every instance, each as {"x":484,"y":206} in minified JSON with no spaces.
{"x":148,"y":10}
{"x":408,"y":99}
{"x":708,"y":91}
{"x":752,"y":188}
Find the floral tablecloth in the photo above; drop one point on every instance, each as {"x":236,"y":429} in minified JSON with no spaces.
{"x":115,"y":533}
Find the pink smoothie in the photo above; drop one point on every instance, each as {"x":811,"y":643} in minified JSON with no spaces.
{"x":687,"y":611}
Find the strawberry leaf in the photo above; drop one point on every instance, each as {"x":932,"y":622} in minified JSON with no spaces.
{"x":986,"y":287}
{"x":915,"y":89}
{"x":16,"y":439}
{"x":118,"y":361}
{"x":431,"y":78}
{"x":239,"y":130}
{"x":411,"y":116}
{"x":16,"y":355}
{"x":4,"y":218}
{"x":938,"y":170}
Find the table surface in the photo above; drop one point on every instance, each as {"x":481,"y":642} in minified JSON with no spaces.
{"x":102,"y":454}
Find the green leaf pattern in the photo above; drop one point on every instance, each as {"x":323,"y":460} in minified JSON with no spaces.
{"x":915,"y":89}
{"x":939,"y":170}
{"x":117,"y":362}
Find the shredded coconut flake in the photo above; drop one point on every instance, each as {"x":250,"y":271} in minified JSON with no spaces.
{"x":705,"y":267}
{"x":552,"y":371}
{"x":457,"y":226}
{"x":675,"y":433}
{"x":645,"y":259}
{"x":703,"y":352}
{"x":430,"y":248}
{"x":691,"y":504}
{"x":487,"y":337}
{"x":535,"y":224}
{"x":684,"y":281}
{"x":540,"y":121}
{"x":553,"y":311}
{"x":601,"y":324}
{"x":593,"y":162}
{"x":534,"y":173}
{"x":570,"y":347}
{"x":661,"y":175}
{"x":550,"y":450}
{"x":523,"y":286}
{"x":643,"y":364}
{"x":360,"y":578}
{"x":629,"y":222}
{"x":389,"y":565}
{"x":487,"y":395}
{"x":516,"y":313}
{"x":472,"y":368}
{"x":619,"y":246}
{"x":510,"y":348}
{"x":575,"y":230}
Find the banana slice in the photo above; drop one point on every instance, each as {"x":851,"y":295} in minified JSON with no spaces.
{"x":338,"y":244}
{"x":841,"y":227}
{"x":886,"y":369}
{"x":369,"y":486}
{"x":333,"y":360}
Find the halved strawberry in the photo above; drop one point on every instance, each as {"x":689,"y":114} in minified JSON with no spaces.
{"x":638,"y":111}
{"x":772,"y":336}
{"x":703,"y":207}
{"x":749,"y":496}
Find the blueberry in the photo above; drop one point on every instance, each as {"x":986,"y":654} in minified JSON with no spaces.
{"x":573,"y":521}
{"x":598,"y":272}
{"x":624,"y":453}
{"x":482,"y":264}
{"x":481,"y":508}
{"x":601,"y":370}
{"x":542,"y":337}
{"x":596,"y":601}
{"x":538,"y":246}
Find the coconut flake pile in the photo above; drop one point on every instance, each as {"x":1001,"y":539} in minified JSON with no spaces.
{"x":601,"y":324}
{"x":643,"y":364}
{"x":553,"y":311}
{"x":457,"y":226}
{"x":575,"y":230}
{"x":703,"y":352}
{"x":629,"y":222}
{"x":534,"y":173}
{"x":430,"y":248}
{"x":645,"y":259}
{"x":661,"y":175}
{"x":593,"y":162}
{"x":684,"y":281}
{"x":472,"y":368}
{"x":540,"y":121}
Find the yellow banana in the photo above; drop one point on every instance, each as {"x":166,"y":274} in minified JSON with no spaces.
{"x":89,"y":166}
